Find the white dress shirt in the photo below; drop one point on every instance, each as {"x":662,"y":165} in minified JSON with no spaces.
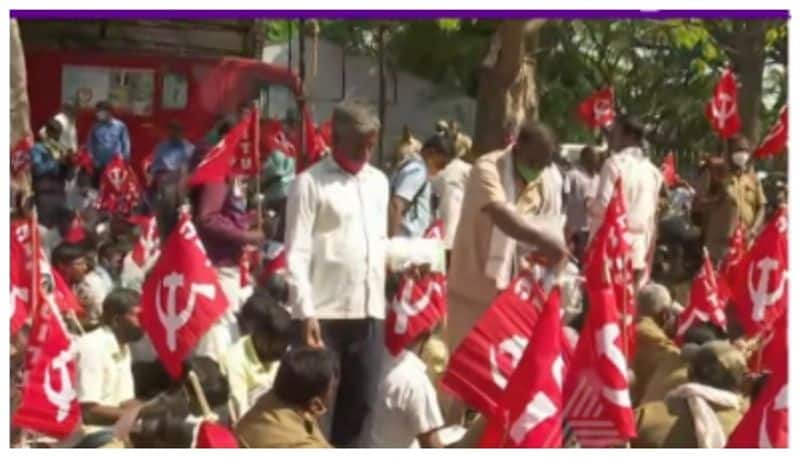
{"x":407,"y":405}
{"x":449,"y":185}
{"x":336,"y":232}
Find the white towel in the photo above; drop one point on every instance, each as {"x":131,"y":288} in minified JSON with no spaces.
{"x":707,"y":428}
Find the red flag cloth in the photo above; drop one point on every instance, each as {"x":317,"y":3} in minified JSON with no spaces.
{"x":529,"y":413}
{"x":418,"y":305}
{"x":596,"y":391}
{"x":774,"y":353}
{"x":211,"y":435}
{"x":247,"y":263}
{"x":219,"y":160}
{"x":723,"y":109}
{"x":49,"y":400}
{"x":705,"y":304}
{"x":435,"y":231}
{"x":274,"y":260}
{"x":20,"y":286}
{"x":120,"y":191}
{"x":597,"y":110}
{"x":480,"y":366}
{"x":147,"y":243}
{"x":76,"y":232}
{"x":326,"y":132}
{"x":766,"y":423}
{"x":760,"y":292}
{"x":776,"y":140}
{"x":275,"y":138}
{"x":728,"y":267}
{"x":668,"y":170}
{"x":21,"y":155}
{"x":181,"y":297}
{"x":608,"y":260}
{"x":247,"y":160}
{"x":83,"y":160}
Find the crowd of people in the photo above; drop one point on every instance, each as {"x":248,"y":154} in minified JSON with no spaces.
{"x":298,"y":359}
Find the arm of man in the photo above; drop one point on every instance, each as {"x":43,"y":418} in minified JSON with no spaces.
{"x":301,"y":212}
{"x":406,"y":186}
{"x":425,"y":416}
{"x":212,"y":221}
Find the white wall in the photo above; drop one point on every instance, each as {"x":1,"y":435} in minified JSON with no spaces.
{"x":419,"y":103}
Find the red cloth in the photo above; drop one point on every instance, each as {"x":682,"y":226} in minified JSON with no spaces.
{"x":247,"y":157}
{"x":418,"y":305}
{"x":766,"y":423}
{"x":727,"y":270}
{"x":723,"y":109}
{"x":597,"y":110}
{"x":775,"y":141}
{"x":21,"y":155}
{"x":761,"y":291}
{"x":76,"y":232}
{"x":529,"y":412}
{"x":480,"y":366}
{"x":147,"y":244}
{"x":20,"y":286}
{"x":120,"y":190}
{"x":218,"y":162}
{"x":668,"y":170}
{"x":705,"y":304}
{"x":215,"y":436}
{"x":181,"y":297}
{"x":83,"y":160}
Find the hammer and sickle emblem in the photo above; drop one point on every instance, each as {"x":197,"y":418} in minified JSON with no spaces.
{"x":62,"y":398}
{"x":602,"y":111}
{"x":605,"y":342}
{"x":760,"y":294}
{"x":722,"y":108}
{"x":513,"y":346}
{"x":407,"y":308}
{"x":171,"y":319}
{"x":539,"y":409}
{"x":117,"y":177}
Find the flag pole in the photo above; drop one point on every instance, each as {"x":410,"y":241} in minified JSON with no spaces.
{"x":201,"y":396}
{"x":257,"y":157}
{"x":36,"y":282}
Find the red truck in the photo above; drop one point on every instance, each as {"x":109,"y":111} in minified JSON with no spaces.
{"x":154,"y":72}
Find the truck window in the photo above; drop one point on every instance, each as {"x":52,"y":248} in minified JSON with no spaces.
{"x":129,"y":90}
{"x":278,"y":103}
{"x":174,"y":91}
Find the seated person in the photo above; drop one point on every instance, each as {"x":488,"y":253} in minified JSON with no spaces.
{"x":252,"y":362}
{"x":653,"y":341}
{"x":288,"y":415}
{"x":702,"y":412}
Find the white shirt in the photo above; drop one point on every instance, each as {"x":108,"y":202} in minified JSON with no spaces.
{"x":449,"y":185}
{"x":95,"y":287}
{"x":104,"y":370}
{"x":69,"y":134}
{"x":579,"y":188}
{"x":336,"y":227}
{"x":641,"y":184}
{"x":407,"y":405}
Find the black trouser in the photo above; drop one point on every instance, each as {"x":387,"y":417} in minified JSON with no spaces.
{"x":358,"y":345}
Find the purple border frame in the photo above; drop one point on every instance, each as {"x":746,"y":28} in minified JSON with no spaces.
{"x":398,"y":14}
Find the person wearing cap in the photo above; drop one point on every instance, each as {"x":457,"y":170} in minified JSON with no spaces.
{"x":702,"y":412}
{"x":410,"y":200}
{"x":105,"y":381}
{"x":746,"y":188}
{"x":715,"y":209}
{"x":107,"y":138}
{"x":449,"y":180}
{"x":336,"y":233}
{"x":69,"y":133}
{"x":641,"y":186}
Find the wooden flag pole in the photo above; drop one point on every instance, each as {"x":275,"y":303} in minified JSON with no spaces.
{"x":257,"y":157}
{"x":201,"y":396}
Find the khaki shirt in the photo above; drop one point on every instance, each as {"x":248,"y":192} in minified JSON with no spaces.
{"x":272,"y":423}
{"x":748,"y":194}
{"x":653,"y":348}
{"x":671,"y":372}
{"x":670,"y":424}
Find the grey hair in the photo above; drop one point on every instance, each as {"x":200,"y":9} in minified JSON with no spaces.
{"x":652,"y":299}
{"x":354,"y":117}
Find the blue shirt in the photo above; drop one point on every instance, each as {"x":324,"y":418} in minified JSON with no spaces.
{"x":170,"y":155}
{"x":410,"y":182}
{"x":42,"y":161}
{"x":108,"y":138}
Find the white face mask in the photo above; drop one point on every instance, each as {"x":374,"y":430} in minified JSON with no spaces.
{"x":740,"y":158}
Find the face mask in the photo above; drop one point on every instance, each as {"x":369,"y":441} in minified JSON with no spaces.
{"x":347,"y":163}
{"x":528,"y":174}
{"x":740,"y":159}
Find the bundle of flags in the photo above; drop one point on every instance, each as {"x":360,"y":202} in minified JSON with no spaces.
{"x":120,"y":190}
{"x":236,"y":152}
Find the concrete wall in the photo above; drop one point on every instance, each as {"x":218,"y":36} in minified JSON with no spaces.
{"x":419,"y":103}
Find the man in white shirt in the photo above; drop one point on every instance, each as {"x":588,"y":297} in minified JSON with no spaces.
{"x":336,"y":233}
{"x":641,"y":185}
{"x":580,"y":185}
{"x":69,"y":132}
{"x":105,"y":380}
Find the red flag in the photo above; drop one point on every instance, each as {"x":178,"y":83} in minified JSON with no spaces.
{"x":146,"y":245}
{"x":326,"y":132}
{"x":416,"y":307}
{"x":480,"y":366}
{"x":729,"y":265}
{"x":723,"y":109}
{"x":247,"y":157}
{"x":766,"y":423}
{"x":120,"y":191}
{"x":181,"y":297}
{"x":20,"y":286}
{"x":83,"y":160}
{"x":705,"y":304}
{"x":529,"y":414}
{"x":597,"y":110}
{"x":608,"y":261}
{"x":211,"y":435}
{"x":668,"y":170}
{"x":775,"y":141}
{"x":65,"y":298}
{"x":274,"y":261}
{"x":21,"y":155}
{"x":773,"y":355}
{"x":49,"y":400}
{"x":76,"y":232}
{"x":760,"y":291}
{"x":596,"y":391}
{"x":247,"y":262}
{"x":219,"y":160}
{"x":435,"y":231}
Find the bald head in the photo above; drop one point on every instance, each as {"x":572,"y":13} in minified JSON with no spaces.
{"x":653,"y":300}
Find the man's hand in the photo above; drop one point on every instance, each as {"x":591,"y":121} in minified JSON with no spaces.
{"x":311,"y":333}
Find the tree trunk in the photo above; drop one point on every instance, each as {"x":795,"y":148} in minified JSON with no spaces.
{"x":506,"y":86}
